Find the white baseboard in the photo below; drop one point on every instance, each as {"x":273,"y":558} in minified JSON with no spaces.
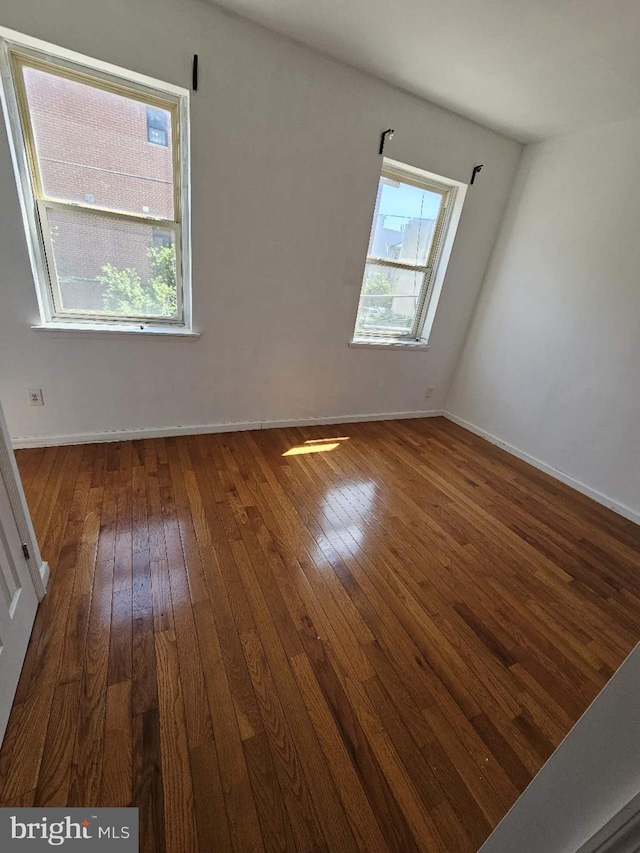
{"x":22,"y":441}
{"x":352,"y":419}
{"x":45,"y":573}
{"x":620,"y":834}
{"x":605,"y":500}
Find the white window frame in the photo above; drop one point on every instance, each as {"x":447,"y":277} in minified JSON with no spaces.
{"x":435,"y":266}
{"x":16,"y":50}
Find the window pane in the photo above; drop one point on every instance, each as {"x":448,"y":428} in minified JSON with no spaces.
{"x":157,"y":121}
{"x":404,"y":222}
{"x":389,"y":300}
{"x":93,"y":147}
{"x":112,"y":265}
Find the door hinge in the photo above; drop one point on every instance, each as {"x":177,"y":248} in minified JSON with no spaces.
{"x":25,"y":551}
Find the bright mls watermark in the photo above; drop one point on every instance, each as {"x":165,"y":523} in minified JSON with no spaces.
{"x":104,"y":830}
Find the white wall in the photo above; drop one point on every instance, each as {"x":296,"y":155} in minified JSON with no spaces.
{"x":285,"y":167}
{"x":590,"y":777}
{"x":551,"y":365}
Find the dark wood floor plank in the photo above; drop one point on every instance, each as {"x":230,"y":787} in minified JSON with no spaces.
{"x":147,"y":793}
{"x":179,"y":812}
{"x":274,"y":821}
{"x":350,"y":787}
{"x":293,"y":784}
{"x":211,"y":813}
{"x":371,"y":647}
{"x":120,"y":652}
{"x":23,"y":771}
{"x":197,"y":714}
{"x":86,"y":778}
{"x":116,"y":788}
{"x":244,"y":826}
{"x":422,"y":774}
{"x":62,"y":507}
{"x":327,"y":602}
{"x":52,"y":546}
{"x":402,"y":814}
{"x":221,"y":614}
{"x":35,"y":489}
{"x":55,"y":770}
{"x":328,"y":807}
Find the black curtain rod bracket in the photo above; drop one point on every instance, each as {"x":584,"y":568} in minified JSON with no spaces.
{"x":194,"y":75}
{"x":476,"y":169}
{"x":383,"y":138}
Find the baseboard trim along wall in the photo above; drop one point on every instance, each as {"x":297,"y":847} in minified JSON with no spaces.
{"x":22,"y":441}
{"x":605,"y":500}
{"x":620,"y":834}
{"x":45,"y":573}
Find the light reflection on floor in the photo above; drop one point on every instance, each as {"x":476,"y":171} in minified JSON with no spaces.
{"x":348,"y":508}
{"x":315,"y":445}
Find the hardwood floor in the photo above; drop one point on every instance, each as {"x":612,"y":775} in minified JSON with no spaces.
{"x":370,"y":645}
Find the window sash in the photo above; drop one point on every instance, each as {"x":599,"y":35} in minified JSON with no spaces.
{"x":20,"y":57}
{"x":413,"y":334}
{"x":440,"y":229}
{"x":54,"y":285}
{"x":398,"y":265}
{"x":20,"y":60}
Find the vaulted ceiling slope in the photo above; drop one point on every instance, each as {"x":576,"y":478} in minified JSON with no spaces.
{"x":531,"y":69}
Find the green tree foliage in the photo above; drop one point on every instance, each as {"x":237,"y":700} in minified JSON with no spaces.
{"x":127,"y":293}
{"x":378,"y":283}
{"x":378,"y":286}
{"x":377,"y":304}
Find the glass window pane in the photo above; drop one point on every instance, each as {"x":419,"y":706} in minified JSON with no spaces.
{"x":389,"y":300}
{"x":403,"y":222}
{"x":93,"y":146}
{"x":112,"y":265}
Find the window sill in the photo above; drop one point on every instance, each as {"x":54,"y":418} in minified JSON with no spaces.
{"x":80,"y":329}
{"x":370,"y":343}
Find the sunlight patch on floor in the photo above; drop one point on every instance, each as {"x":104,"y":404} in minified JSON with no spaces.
{"x":315,"y":445}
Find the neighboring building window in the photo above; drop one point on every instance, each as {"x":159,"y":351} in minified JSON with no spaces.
{"x":411,"y":223}
{"x":157,"y":127}
{"x":162,"y":237}
{"x":95,"y":202}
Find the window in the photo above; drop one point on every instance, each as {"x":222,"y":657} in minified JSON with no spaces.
{"x":105,"y":210}
{"x":413,"y":224}
{"x":162,"y":237}
{"x":157,"y":126}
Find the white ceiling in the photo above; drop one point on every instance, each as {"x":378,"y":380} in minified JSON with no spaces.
{"x":529,"y":68}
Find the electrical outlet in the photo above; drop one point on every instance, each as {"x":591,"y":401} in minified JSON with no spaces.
{"x":35,"y":397}
{"x":428,"y":392}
